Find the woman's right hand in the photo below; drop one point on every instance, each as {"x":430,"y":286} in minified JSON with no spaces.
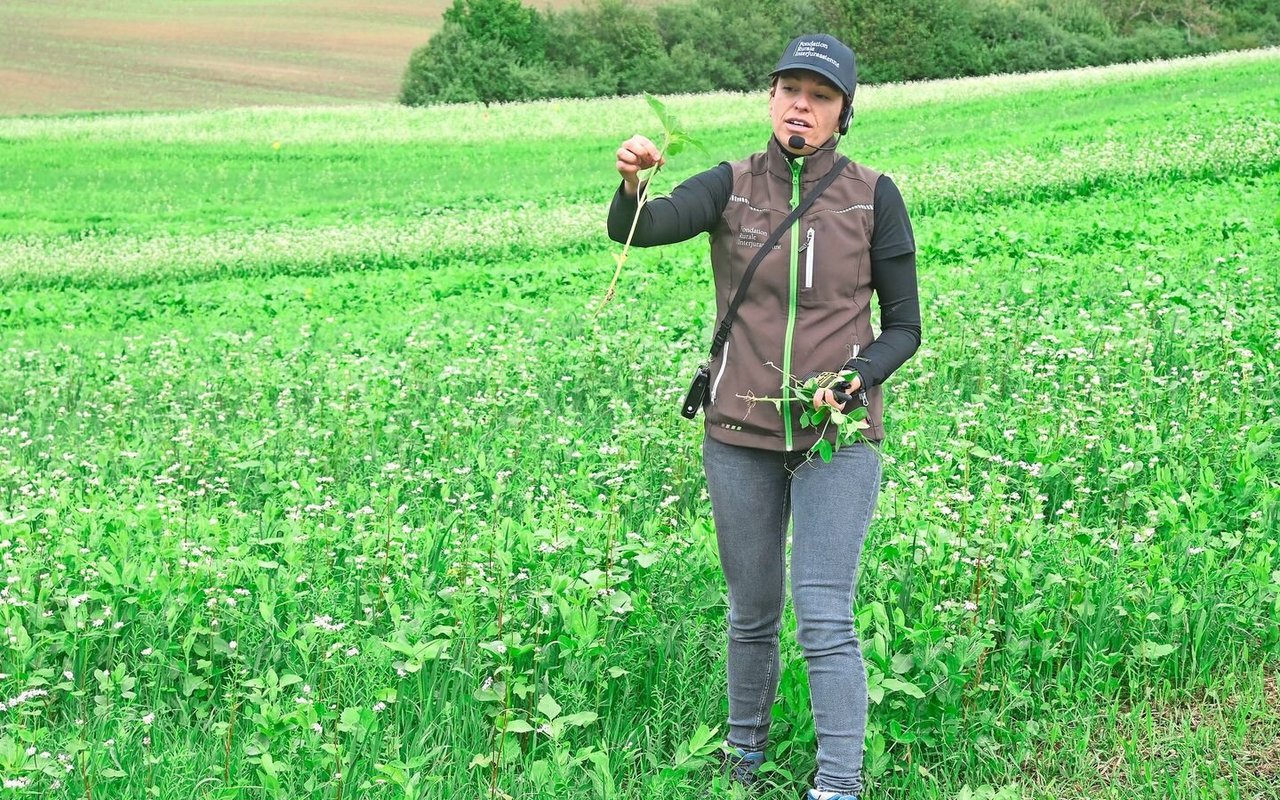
{"x":636,"y":154}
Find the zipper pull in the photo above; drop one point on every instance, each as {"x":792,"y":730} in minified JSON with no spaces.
{"x":808,"y":260}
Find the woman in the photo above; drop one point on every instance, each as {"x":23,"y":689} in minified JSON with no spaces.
{"x":806,"y":310}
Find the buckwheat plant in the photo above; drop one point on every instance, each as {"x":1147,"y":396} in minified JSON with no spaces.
{"x":674,"y":138}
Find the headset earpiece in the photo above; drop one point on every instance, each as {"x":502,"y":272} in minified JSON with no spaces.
{"x":846,"y":116}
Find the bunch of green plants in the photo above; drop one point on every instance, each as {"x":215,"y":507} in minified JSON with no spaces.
{"x":845,"y":422}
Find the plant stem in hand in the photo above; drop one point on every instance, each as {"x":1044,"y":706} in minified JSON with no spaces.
{"x":642,"y":195}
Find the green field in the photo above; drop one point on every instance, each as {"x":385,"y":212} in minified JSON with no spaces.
{"x":318,"y":478}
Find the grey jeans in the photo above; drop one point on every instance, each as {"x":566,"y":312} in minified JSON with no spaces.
{"x":753,"y":493}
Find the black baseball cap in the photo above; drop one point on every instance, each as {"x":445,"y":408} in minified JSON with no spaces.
{"x":825,"y":55}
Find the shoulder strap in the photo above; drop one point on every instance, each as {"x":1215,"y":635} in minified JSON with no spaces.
{"x":722,"y":333}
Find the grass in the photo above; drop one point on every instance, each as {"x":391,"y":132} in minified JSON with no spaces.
{"x":334,"y":501}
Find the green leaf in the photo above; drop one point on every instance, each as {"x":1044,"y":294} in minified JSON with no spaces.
{"x":1153,"y":650}
{"x":696,"y":144}
{"x":660,"y":110}
{"x":702,"y":742}
{"x":580,"y":719}
{"x":620,"y":603}
{"x":646,"y":559}
{"x":905,"y":687}
{"x":355,"y":719}
{"x":518,"y":726}
{"x":824,"y":450}
{"x":548,"y":707}
{"x":268,"y":765}
{"x":900,"y":734}
{"x":875,"y":693}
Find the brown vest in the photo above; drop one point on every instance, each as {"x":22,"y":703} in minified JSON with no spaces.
{"x":825,"y":300}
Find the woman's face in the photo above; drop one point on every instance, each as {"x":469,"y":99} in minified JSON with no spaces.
{"x":804,"y":104}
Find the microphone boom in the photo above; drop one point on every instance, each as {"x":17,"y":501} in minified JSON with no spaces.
{"x":797,"y":142}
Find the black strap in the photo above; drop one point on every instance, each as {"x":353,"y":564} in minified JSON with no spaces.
{"x":722,"y":333}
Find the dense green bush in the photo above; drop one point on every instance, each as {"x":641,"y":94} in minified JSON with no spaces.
{"x":724,"y":44}
{"x":454,"y":68}
{"x":910,"y":39}
{"x":914,"y":39}
{"x":499,"y":50}
{"x":622,"y":48}
{"x":523,"y":31}
{"x":1251,"y":23}
{"x":616,"y":45}
{"x":487,"y":50}
{"x":1020,"y":39}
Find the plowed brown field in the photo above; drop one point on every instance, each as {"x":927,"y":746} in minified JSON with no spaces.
{"x":77,"y":55}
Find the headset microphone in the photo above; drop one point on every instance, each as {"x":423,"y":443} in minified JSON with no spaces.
{"x":797,"y":142}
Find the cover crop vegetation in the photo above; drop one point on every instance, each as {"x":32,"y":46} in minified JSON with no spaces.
{"x":318,"y":478}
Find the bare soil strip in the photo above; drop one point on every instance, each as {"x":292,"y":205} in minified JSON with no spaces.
{"x":78,"y":55}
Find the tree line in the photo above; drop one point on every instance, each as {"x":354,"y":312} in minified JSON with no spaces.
{"x":500,"y":50}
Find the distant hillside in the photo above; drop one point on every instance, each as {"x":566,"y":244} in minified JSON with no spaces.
{"x":79,"y":55}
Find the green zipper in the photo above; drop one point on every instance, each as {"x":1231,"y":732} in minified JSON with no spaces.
{"x":797,"y":165}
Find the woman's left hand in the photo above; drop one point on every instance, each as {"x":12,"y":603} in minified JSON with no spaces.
{"x":825,"y":396}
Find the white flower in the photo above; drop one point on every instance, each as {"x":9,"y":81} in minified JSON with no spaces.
{"x":326,"y":623}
